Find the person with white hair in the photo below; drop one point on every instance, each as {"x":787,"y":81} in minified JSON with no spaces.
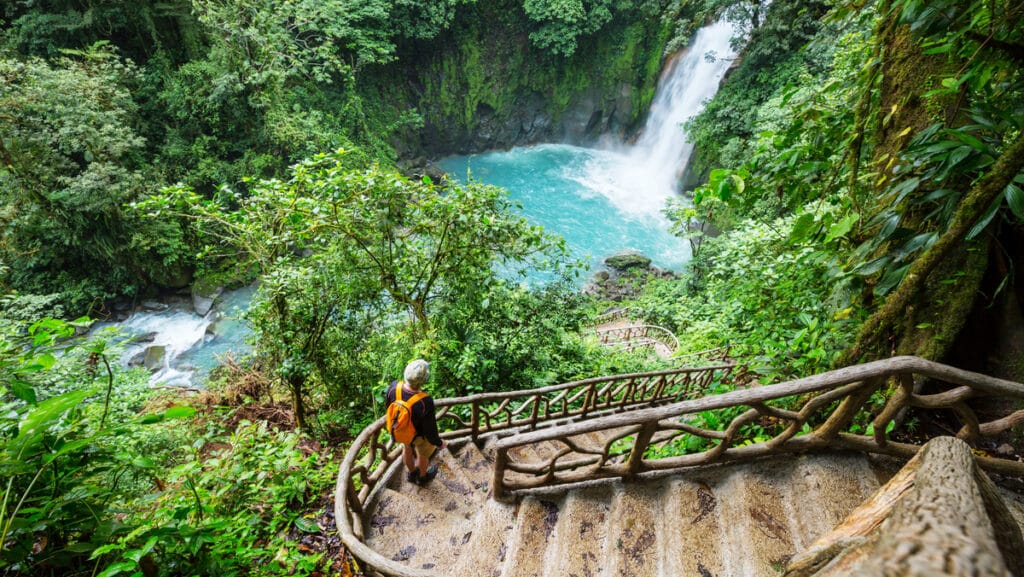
{"x":416,"y":454}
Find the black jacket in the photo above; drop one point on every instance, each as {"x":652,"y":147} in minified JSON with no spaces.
{"x":423,"y":416}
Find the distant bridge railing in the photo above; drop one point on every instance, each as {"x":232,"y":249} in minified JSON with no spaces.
{"x":816,"y":412}
{"x":633,"y":336}
{"x":612,"y":315}
{"x":373,"y":453}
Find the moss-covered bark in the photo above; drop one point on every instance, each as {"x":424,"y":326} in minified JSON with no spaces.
{"x":484,"y":85}
{"x":907,"y":74}
{"x":886,"y":331}
{"x":929,"y":309}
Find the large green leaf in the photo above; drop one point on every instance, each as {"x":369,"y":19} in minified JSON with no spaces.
{"x":307,"y":525}
{"x":890,"y":279}
{"x":35,"y":424}
{"x":842,"y":227}
{"x":802,"y":228}
{"x":1015,"y":198}
{"x":985,"y":219}
{"x":23,"y":390}
{"x":179,"y":412}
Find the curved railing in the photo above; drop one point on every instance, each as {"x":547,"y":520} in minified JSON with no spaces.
{"x":718,"y":354}
{"x":648,"y":433}
{"x":372,"y":454}
{"x":816,"y":412}
{"x":612,"y":315}
{"x":633,"y":336}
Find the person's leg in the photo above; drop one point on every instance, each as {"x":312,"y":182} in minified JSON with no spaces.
{"x":409,"y":458}
{"x":424,"y":450}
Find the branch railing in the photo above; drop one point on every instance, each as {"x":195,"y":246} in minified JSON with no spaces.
{"x":368,"y":461}
{"x":812,"y":413}
{"x":632,"y":336}
{"x":612,"y":315}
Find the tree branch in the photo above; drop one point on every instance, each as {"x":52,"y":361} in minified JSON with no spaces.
{"x":1012,"y":50}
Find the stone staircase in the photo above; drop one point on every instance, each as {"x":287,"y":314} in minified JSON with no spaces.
{"x":588,"y":479}
{"x":744,"y":519}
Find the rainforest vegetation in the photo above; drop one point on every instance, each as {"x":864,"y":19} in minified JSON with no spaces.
{"x":861,"y":195}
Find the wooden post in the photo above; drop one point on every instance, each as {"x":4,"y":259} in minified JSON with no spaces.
{"x":474,"y":420}
{"x":942,"y":517}
{"x":590,"y":399}
{"x":640,"y":444}
{"x":498,"y":483}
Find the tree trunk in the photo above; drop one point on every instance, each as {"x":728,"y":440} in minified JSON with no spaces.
{"x":882,"y":325}
{"x":907,"y":73}
{"x":297,"y":384}
{"x":940,"y":516}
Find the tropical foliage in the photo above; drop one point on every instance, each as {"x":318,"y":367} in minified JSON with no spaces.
{"x":862,"y":174}
{"x":342,"y":252}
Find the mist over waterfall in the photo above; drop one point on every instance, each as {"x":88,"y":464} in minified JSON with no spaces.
{"x":640,"y":178}
{"x":663,"y":148}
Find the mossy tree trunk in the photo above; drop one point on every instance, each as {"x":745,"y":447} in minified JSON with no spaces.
{"x":885,"y":325}
{"x":924,"y":315}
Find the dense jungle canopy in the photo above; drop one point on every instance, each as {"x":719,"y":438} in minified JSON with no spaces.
{"x":858,"y":193}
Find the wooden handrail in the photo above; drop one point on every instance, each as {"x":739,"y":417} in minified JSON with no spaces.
{"x":853,"y":386}
{"x":630,"y":333}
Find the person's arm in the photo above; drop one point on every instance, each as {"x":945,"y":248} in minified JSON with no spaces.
{"x":427,"y":425}
{"x":389,"y":394}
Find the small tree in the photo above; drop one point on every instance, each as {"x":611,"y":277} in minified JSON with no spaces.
{"x":340,"y":249}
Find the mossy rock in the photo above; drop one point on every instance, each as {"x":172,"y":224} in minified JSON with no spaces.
{"x":627,"y":261}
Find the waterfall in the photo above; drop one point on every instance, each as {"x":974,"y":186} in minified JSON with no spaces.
{"x":640,"y":178}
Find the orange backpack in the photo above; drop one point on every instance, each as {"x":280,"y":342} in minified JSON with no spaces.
{"x":399,"y":416}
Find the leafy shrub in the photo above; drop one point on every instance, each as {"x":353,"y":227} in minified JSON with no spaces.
{"x":772,"y":300}
{"x":228,"y":508}
{"x":63,"y":464}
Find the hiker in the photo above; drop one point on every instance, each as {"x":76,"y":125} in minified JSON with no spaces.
{"x":424,"y":441}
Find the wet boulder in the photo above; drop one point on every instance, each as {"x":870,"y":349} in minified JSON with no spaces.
{"x":202,"y":301}
{"x":153,"y":358}
{"x":626,"y":261}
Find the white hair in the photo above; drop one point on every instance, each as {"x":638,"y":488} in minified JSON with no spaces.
{"x":417,"y":373}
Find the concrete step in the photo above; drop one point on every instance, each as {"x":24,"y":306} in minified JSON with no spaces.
{"x":413,"y":532}
{"x":758,"y":518}
{"x":535,"y":524}
{"x":476,"y":465}
{"x":693,"y":530}
{"x":632,"y":546}
{"x":488,"y":548}
{"x":744,"y":520}
{"x":450,"y":492}
{"x":581,"y":536}
{"x":824,"y":489}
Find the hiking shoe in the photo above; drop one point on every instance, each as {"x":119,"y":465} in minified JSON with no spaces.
{"x":413,"y":476}
{"x":430,"y":474}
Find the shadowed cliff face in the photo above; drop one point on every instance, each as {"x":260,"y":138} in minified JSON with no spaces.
{"x":528,"y":119}
{"x":481,"y":87}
